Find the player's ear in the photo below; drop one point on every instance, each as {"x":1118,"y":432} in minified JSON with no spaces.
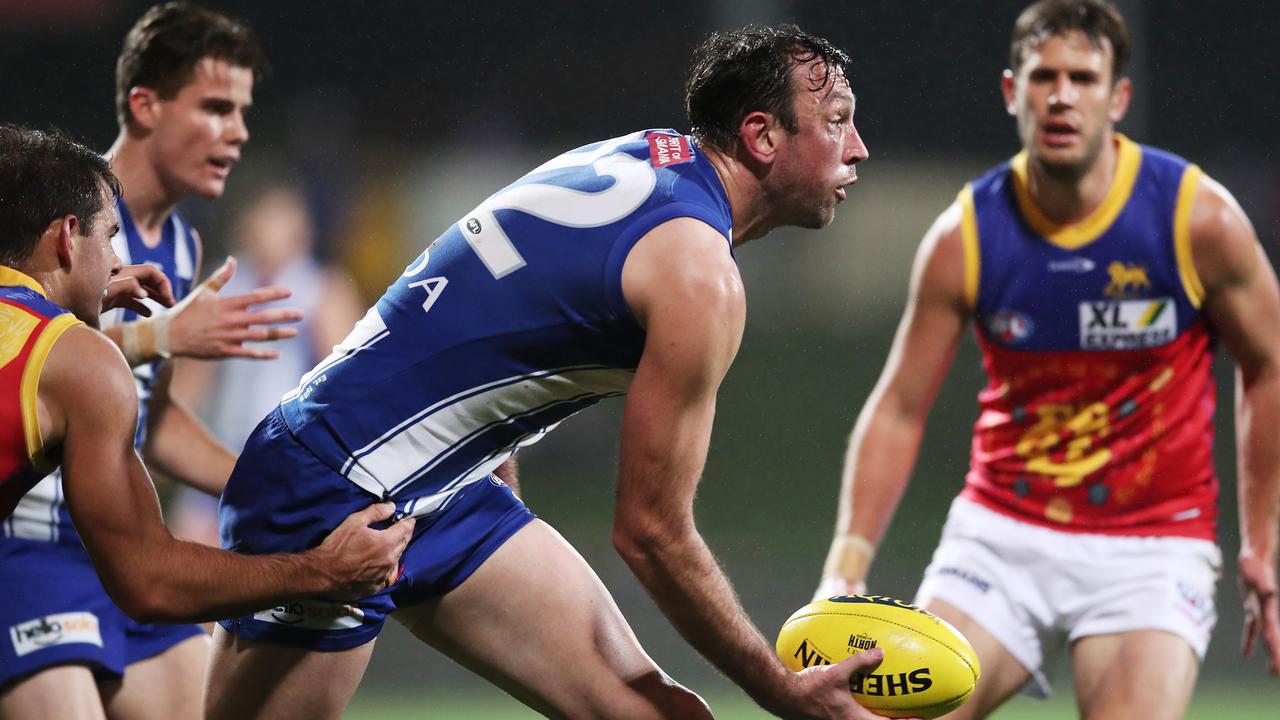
{"x":1009,"y":91}
{"x":144,"y":106}
{"x":65,"y":231}
{"x":758,"y":136}
{"x":1121,"y":94}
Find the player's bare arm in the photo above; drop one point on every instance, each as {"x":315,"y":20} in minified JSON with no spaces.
{"x":179,"y":444}
{"x":886,"y":438}
{"x":681,"y":283}
{"x":1243,"y":304}
{"x":208,"y":325}
{"x":90,"y":418}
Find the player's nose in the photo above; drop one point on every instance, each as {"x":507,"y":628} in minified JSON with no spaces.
{"x":856,"y":151}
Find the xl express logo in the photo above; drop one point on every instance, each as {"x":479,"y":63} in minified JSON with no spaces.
{"x":1127,"y":324}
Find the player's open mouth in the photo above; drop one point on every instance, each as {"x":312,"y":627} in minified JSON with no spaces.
{"x":842,"y":192}
{"x":222,"y":164}
{"x":1057,"y":134}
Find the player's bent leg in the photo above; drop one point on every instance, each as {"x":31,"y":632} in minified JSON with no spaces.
{"x":168,"y":686}
{"x":62,"y":691}
{"x":249,"y":679}
{"x":548,"y":633}
{"x":1141,"y":673}
{"x":1002,"y":675}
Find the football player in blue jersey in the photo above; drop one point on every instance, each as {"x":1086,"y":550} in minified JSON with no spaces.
{"x":607,"y":271}
{"x":184,"y":81}
{"x":1099,"y":275}
{"x":56,"y":260}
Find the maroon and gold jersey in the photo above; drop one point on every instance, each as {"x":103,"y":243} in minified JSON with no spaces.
{"x":29,"y":325}
{"x":1097,"y":415}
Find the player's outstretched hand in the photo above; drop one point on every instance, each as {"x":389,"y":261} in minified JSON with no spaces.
{"x":1261,"y":606}
{"x":360,"y":560}
{"x":134,"y":283}
{"x":826,"y":688}
{"x":833,"y":586}
{"x":211,"y":326}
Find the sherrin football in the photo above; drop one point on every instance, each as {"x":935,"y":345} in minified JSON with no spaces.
{"x":929,"y":668}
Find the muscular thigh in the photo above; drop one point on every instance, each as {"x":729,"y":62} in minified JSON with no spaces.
{"x":64,"y":691}
{"x":1002,"y":674}
{"x":168,"y":686}
{"x":535,"y":620}
{"x":249,"y":679}
{"x":1140,"y":673}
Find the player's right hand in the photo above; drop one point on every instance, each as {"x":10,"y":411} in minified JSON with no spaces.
{"x":824,"y":690}
{"x":211,"y":326}
{"x":360,"y":560}
{"x":832,"y":586}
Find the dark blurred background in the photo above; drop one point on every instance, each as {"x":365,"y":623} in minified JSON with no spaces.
{"x":395,"y":118}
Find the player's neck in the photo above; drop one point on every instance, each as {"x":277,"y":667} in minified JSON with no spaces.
{"x":1066,"y":200}
{"x":150,"y":203}
{"x":751,"y":218}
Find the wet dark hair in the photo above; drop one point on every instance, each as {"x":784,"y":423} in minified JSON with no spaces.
{"x":1097,"y":19}
{"x":45,"y":176}
{"x":743,"y":71}
{"x":161,"y":50}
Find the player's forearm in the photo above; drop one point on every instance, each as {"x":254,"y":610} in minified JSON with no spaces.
{"x":1258,"y":460}
{"x":181,"y":446}
{"x":141,"y":341}
{"x":188,"y":582}
{"x":686,"y":582}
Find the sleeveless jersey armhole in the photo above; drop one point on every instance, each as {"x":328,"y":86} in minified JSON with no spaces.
{"x":972,"y":252}
{"x":1182,"y":234}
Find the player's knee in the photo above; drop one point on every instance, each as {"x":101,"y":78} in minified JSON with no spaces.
{"x":670,"y":699}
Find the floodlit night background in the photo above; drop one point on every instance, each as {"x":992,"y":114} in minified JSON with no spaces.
{"x":395,"y":118}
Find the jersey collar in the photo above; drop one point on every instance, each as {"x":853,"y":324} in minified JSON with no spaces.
{"x":16,"y":278}
{"x":1075,"y":235}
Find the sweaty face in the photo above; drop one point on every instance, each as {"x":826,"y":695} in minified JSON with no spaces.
{"x":815,"y":165}
{"x":1065,"y":102}
{"x":200,"y":130}
{"x":94,"y":262}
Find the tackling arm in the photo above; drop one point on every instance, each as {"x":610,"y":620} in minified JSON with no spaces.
{"x":1243,"y":305}
{"x":886,"y":438}
{"x":152,"y":576}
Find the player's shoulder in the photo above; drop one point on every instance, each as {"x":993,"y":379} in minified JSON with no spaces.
{"x":1223,"y":241}
{"x":85,"y":364}
{"x":683,"y":260}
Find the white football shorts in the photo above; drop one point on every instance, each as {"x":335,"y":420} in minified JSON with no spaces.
{"x":1037,"y":589}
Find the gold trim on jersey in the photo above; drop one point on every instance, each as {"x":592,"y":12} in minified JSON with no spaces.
{"x":972,"y":251}
{"x":30,"y":393}
{"x":1075,"y":235}
{"x":15,"y":278}
{"x":1182,"y":234}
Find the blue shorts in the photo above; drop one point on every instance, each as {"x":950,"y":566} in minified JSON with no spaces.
{"x":54,"y":611}
{"x":281,"y":498}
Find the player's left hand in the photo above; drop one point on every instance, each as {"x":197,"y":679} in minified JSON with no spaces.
{"x":134,"y":283}
{"x":1261,"y":607}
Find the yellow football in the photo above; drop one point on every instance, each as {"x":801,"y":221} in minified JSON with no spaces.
{"x":929,"y":668}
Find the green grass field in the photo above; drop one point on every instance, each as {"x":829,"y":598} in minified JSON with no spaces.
{"x":1245,"y":703}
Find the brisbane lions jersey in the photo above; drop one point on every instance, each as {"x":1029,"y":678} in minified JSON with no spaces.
{"x":1097,"y":414}
{"x":42,"y":515}
{"x":29,"y":325}
{"x":508,"y":323}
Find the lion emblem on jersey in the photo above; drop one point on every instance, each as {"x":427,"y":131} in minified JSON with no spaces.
{"x":1126,"y":280}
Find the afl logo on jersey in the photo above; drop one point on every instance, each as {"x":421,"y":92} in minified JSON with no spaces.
{"x":1010,"y":327}
{"x":473,"y":226}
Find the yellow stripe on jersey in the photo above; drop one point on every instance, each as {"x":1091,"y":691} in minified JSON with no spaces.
{"x":16,"y":278}
{"x":1075,"y":235}
{"x":972,"y":254}
{"x":31,"y":381}
{"x":1182,"y":235}
{"x":16,"y":324}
